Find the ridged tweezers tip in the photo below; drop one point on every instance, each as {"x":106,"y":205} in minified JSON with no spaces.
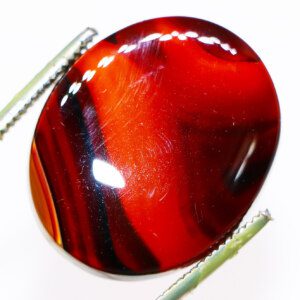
{"x":25,"y":98}
{"x":210,"y":263}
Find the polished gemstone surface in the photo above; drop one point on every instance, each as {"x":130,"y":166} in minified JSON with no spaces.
{"x":154,"y":145}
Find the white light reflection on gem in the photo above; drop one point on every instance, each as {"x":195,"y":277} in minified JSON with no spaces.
{"x":151,"y":37}
{"x":206,"y":40}
{"x":88,"y":75}
{"x":74,"y":88}
{"x":105,"y":61}
{"x":107,"y":174}
{"x":215,"y":41}
{"x":182,"y":37}
{"x":233,"y":51}
{"x":226,"y":47}
{"x":64,"y":100}
{"x":130,"y":48}
{"x":166,"y":37}
{"x":192,"y":34}
{"x":122,"y":48}
{"x":245,"y":161}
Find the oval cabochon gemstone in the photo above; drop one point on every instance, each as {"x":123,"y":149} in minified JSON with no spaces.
{"x":153,"y":146}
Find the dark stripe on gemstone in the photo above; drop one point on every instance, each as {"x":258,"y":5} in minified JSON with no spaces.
{"x":112,"y":39}
{"x":59,"y":178}
{"x":126,"y":237}
{"x":121,"y":231}
{"x":225,"y":190}
{"x":82,"y":148}
{"x":102,"y":202}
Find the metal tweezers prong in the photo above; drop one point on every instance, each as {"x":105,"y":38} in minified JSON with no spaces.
{"x":218,"y":257}
{"x":44,"y":79}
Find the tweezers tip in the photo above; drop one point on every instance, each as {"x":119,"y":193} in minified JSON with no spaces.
{"x":266,"y":213}
{"x":92,"y":30}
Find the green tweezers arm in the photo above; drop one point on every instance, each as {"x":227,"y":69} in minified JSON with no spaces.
{"x":48,"y":75}
{"x":207,"y":266}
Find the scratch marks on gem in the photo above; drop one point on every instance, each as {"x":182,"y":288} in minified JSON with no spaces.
{"x":151,"y":193}
{"x":144,"y":79}
{"x":163,"y":197}
{"x":199,"y":218}
{"x":166,"y":145}
{"x":155,"y":234}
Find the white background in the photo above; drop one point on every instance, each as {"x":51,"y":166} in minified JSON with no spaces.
{"x":31,"y":32}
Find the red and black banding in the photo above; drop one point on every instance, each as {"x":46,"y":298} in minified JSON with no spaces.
{"x":182,"y":119}
{"x":92,"y":205}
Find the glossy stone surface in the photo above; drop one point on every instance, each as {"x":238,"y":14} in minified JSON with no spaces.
{"x":154,"y":145}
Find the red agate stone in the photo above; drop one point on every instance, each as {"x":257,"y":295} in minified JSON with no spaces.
{"x":153,"y":146}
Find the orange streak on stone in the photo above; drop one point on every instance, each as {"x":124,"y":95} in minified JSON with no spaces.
{"x":42,"y":197}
